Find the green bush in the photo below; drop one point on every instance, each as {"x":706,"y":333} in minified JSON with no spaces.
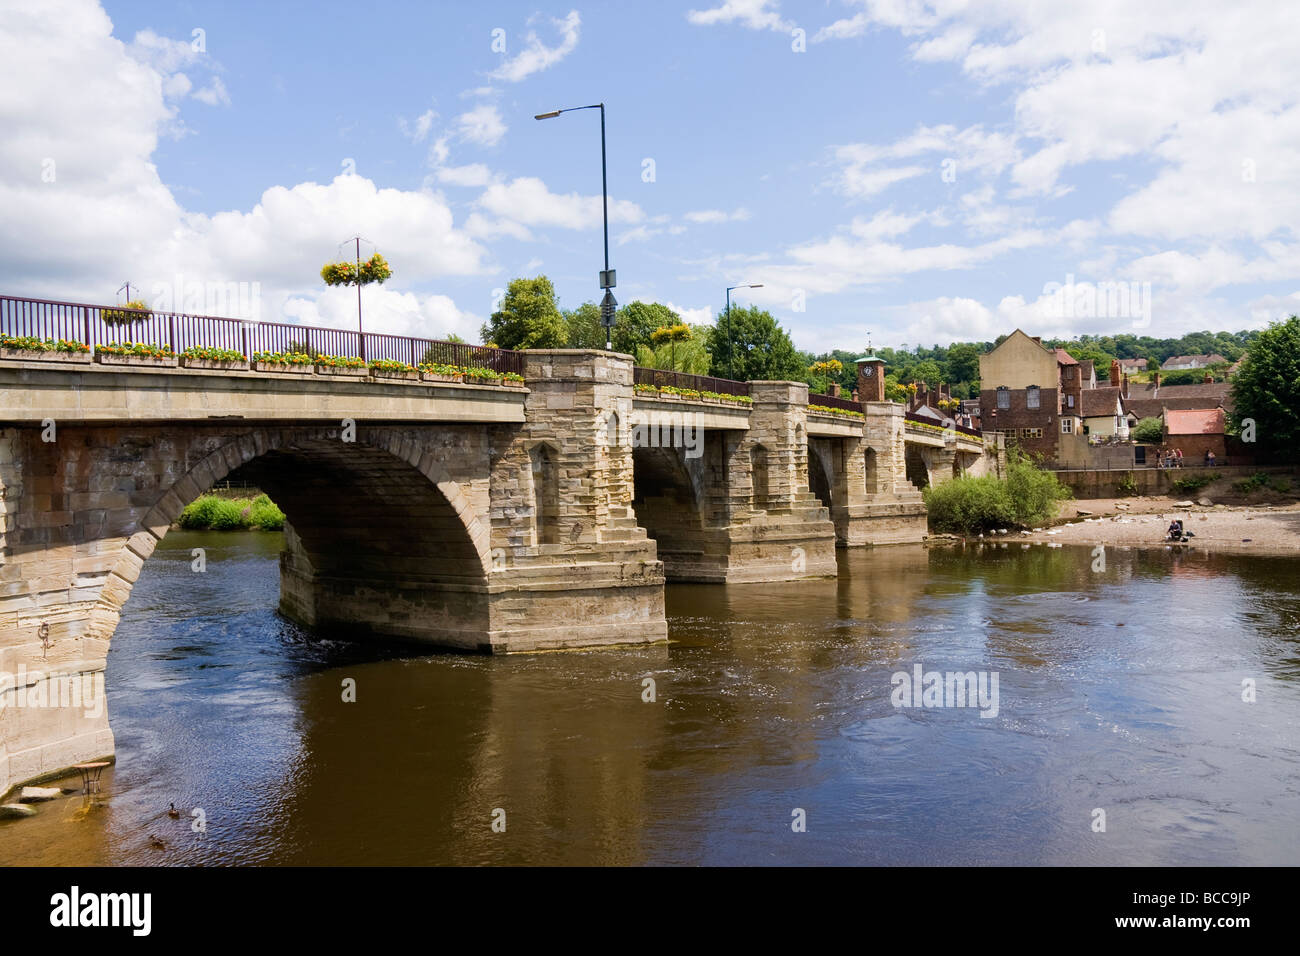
{"x":1126,"y":485}
{"x":1191,"y":484}
{"x":1027,"y":497}
{"x":265,"y":515}
{"x":1150,"y":431}
{"x":211,"y":513}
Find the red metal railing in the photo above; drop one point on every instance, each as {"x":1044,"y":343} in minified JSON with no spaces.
{"x":662,"y":378}
{"x":81,"y":322}
{"x":830,"y":401}
{"x":913,"y":418}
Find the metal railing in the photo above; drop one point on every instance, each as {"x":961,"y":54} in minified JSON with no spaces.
{"x":911,"y":418}
{"x":81,"y":322}
{"x":663,"y":378}
{"x":831,"y":401}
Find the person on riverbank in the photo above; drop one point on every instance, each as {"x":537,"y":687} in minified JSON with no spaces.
{"x":1210,"y":459}
{"x":1178,"y":458}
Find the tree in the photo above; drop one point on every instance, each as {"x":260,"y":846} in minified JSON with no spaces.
{"x":583,"y":328}
{"x":751,"y":346}
{"x":1149,"y":431}
{"x":684,"y":354}
{"x":635,"y":323}
{"x":1266,"y":390}
{"x":963,"y":363}
{"x":528,"y":317}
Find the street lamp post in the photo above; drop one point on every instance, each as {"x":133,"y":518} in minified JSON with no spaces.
{"x":731,"y":352}
{"x":608,"y":304}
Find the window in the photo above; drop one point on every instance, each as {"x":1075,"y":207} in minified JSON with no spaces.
{"x":1069,"y":401}
{"x":1067,"y":426}
{"x":1031,"y":433}
{"x":1004,"y":398}
{"x":1031,"y":396}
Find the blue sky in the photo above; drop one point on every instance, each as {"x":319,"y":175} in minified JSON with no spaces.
{"x":913,"y":172}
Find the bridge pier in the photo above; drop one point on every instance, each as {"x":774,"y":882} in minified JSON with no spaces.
{"x":739,"y":510}
{"x":879,"y":504}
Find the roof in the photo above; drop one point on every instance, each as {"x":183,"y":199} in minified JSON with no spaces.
{"x":1194,"y":421}
{"x":869,"y":358}
{"x":1099,"y":402}
{"x":1212,"y":359}
{"x":1146,"y":401}
{"x":1065,"y":358}
{"x":1133,"y":363}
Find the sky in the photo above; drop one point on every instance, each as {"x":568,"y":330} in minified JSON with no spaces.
{"x":890,"y":171}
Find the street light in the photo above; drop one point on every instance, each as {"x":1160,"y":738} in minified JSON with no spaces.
{"x":607,"y":278}
{"x":731,"y":365}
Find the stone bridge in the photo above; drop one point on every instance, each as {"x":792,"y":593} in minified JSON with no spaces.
{"x":479,"y":517}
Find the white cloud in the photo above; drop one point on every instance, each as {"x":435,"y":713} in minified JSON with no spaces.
{"x":214,"y":94}
{"x":717,"y":215}
{"x":482,"y":125}
{"x":397,"y":313}
{"x":537,"y":56}
{"x":527,"y":200}
{"x":473,"y":175}
{"x":417,"y":132}
{"x":702,"y":315}
{"x":754,"y":14}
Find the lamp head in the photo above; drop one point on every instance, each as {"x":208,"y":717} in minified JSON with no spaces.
{"x":551,"y":115}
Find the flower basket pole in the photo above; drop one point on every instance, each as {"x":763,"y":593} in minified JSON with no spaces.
{"x":375,"y":269}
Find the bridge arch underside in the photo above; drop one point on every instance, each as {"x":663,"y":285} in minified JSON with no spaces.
{"x":670,"y":502}
{"x":373,"y":547}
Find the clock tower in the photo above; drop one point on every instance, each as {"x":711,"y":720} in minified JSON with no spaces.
{"x":871,"y":378}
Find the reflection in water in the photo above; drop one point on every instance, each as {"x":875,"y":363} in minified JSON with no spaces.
{"x":1120,"y":689}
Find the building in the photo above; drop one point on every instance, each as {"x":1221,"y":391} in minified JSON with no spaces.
{"x":1032,"y":394}
{"x":1129,"y":366}
{"x":1196,"y":431}
{"x":1149,"y":400}
{"x":1177,"y":363}
{"x":1103,"y":412}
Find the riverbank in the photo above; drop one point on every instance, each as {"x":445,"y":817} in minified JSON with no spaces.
{"x":1139,"y":522}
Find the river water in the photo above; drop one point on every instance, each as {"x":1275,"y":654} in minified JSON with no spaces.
{"x":1119,"y":689}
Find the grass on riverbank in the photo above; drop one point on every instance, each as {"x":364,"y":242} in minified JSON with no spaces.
{"x":1027,"y":497}
{"x":213,"y":513}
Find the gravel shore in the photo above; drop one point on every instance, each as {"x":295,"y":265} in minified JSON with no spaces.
{"x":1138,"y":522}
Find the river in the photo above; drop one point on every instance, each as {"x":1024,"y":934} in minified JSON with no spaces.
{"x":1119,"y":690}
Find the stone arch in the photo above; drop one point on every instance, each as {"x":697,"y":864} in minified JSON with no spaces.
{"x":413,"y":467}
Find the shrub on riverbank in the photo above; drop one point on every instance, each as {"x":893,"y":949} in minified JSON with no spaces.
{"x":1028,"y":497}
{"x":211,"y":513}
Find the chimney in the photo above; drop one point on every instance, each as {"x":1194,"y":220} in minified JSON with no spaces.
{"x":1114,"y":371}
{"x":1124,"y":385}
{"x":1156,"y":378}
{"x":1209,"y":378}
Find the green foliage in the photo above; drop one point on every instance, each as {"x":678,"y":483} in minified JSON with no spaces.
{"x":678,"y":354}
{"x":1259,"y":481}
{"x":1190,"y":484}
{"x":211,"y":513}
{"x":1027,"y":497}
{"x":752,"y":346}
{"x":143,"y":349}
{"x":635,"y":324}
{"x":29,"y":343}
{"x":1266,"y":390}
{"x":583,"y":328}
{"x":212,"y":354}
{"x":1126,"y":485}
{"x":1150,"y":431}
{"x":528,"y":317}
{"x":291,"y":357}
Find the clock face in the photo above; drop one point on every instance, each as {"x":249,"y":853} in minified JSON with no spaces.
{"x":868,"y":371}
